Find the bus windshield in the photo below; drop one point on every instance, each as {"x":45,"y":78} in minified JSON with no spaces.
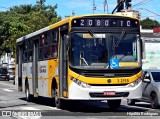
{"x":103,"y":50}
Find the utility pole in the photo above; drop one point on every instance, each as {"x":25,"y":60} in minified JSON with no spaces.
{"x":94,"y":7}
{"x":105,"y":2}
{"x":73,"y":12}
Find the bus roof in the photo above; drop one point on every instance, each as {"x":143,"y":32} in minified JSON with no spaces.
{"x":62,"y":22}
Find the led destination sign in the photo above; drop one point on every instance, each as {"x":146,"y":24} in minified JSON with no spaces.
{"x":105,"y":22}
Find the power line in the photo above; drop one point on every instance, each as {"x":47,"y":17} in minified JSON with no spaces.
{"x":150,"y":16}
{"x":141,"y":3}
{"x":150,"y":11}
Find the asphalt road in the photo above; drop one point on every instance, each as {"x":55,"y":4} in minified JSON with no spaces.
{"x":14,"y":102}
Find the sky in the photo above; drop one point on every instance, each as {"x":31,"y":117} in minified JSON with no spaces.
{"x":147,"y":8}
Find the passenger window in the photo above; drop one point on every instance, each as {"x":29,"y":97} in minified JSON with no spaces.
{"x":42,"y":46}
{"x":30,"y":44}
{"x":45,"y":46}
{"x":24,"y":52}
{"x":54,"y":51}
{"x":48,"y":38}
{"x":42,"y":40}
{"x":40,"y":53}
{"x":30,"y":55}
{"x":54,"y":36}
{"x":17,"y":54}
{"x":30,"y":49}
{"x":24,"y":56}
{"x":54,"y":48}
{"x":47,"y":52}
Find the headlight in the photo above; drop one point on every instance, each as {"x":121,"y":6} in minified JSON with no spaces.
{"x":80,"y":83}
{"x":135,"y":83}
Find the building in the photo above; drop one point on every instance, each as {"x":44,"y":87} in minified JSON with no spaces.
{"x":152,"y":43}
{"x":7,"y":59}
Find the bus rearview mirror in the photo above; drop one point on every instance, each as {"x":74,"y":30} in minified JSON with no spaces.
{"x":67,"y":40}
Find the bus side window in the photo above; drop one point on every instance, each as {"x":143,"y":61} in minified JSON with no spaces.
{"x":54,"y":36}
{"x":47,"y":38}
{"x":47,"y":51}
{"x":30,"y":56}
{"x":25,"y":55}
{"x":54,"y":48}
{"x":54,"y":51}
{"x":17,"y":54}
{"x":45,"y":46}
{"x":41,"y":46}
{"x":30,"y":49}
{"x":43,"y":40}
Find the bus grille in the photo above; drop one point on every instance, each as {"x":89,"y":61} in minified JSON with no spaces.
{"x":101,"y":95}
{"x":108,"y":84}
{"x":109,"y":75}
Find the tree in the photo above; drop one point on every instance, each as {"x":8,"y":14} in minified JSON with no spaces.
{"x":149,"y":23}
{"x":11,"y":28}
{"x":22,"y":20}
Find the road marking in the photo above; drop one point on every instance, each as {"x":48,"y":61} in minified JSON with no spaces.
{"x":139,"y":107}
{"x":29,"y":108}
{"x":54,"y":108}
{"x":7,"y":83}
{"x":28,"y":117}
{"x":8,"y":90}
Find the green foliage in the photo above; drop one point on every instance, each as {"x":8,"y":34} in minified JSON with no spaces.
{"x":149,"y":23}
{"x":22,"y":20}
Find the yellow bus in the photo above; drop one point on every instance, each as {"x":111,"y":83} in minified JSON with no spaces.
{"x":90,"y":57}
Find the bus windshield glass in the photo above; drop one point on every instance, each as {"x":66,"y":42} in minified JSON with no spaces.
{"x":104,"y":50}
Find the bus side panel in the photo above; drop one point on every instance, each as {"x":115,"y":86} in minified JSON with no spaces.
{"x":52,"y":73}
{"x":16,"y":77}
{"x":24,"y":75}
{"x":29,"y":70}
{"x":43,"y":78}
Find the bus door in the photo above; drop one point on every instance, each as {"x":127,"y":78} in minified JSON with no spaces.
{"x":20,"y":53}
{"x":63,"y":63}
{"x":35,"y":67}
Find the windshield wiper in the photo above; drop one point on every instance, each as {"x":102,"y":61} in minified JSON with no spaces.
{"x":120,"y":38}
{"x":93,"y":34}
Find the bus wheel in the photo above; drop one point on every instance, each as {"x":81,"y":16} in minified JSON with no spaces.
{"x":113,"y":104}
{"x":154,"y":101}
{"x":58,"y":102}
{"x":28,"y":96}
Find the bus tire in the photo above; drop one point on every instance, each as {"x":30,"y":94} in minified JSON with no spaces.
{"x":28,"y":95}
{"x":113,"y":104}
{"x":59,"y":103}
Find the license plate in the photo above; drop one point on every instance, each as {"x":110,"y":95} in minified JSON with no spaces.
{"x":109,"y":93}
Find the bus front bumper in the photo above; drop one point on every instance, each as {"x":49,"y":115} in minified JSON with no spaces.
{"x":100,"y":92}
